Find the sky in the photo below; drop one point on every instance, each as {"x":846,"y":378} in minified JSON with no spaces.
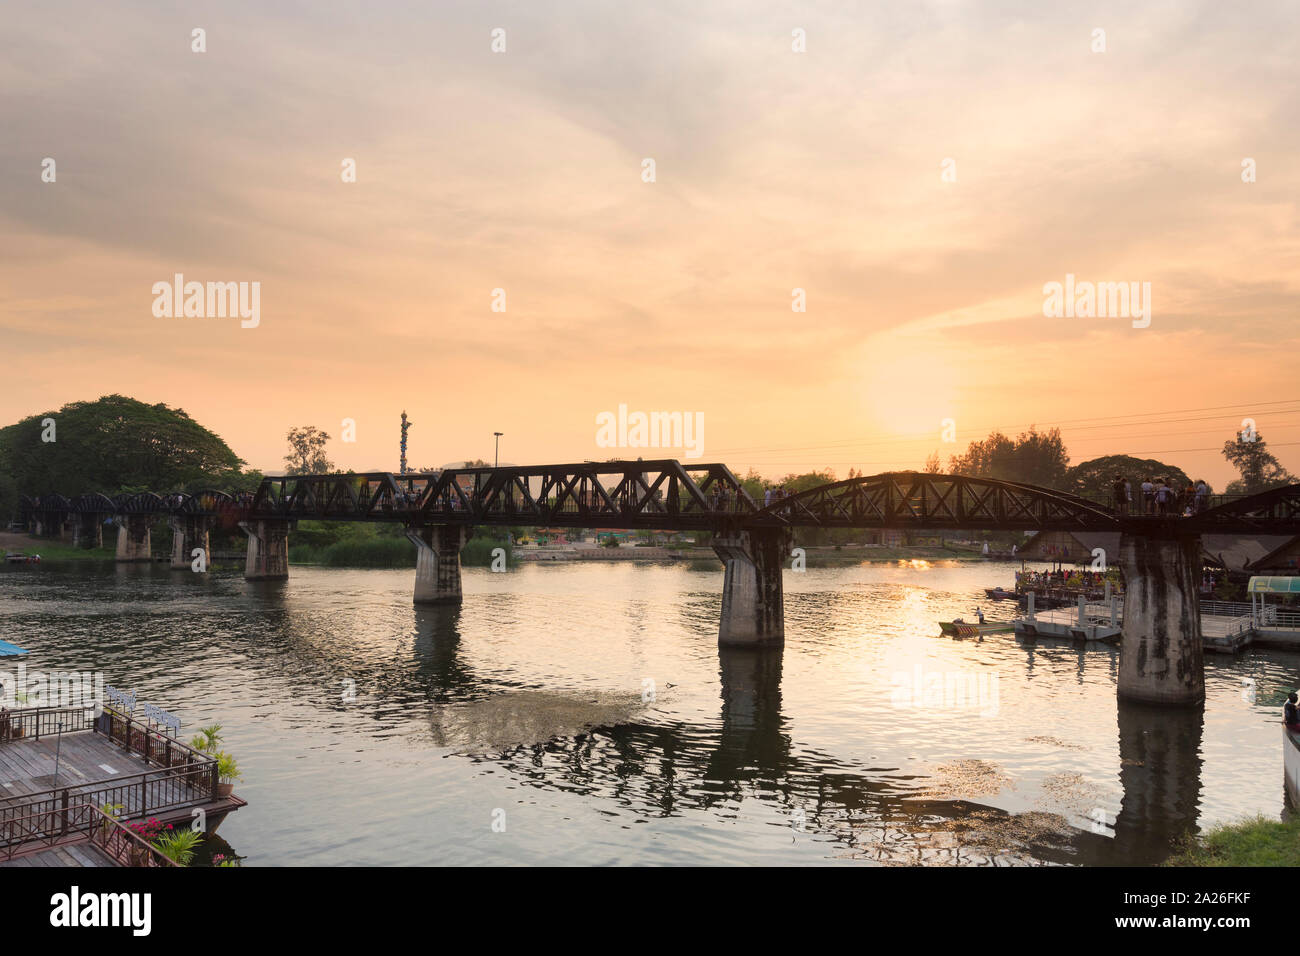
{"x":524,"y":170}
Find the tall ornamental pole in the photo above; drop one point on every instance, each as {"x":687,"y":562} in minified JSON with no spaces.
{"x":405,"y":426}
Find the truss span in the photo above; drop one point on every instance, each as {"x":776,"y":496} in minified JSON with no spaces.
{"x":923,"y":500}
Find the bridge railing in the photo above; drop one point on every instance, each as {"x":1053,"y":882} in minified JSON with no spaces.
{"x":1141,"y":506}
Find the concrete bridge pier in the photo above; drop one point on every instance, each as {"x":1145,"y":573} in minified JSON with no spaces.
{"x":437,"y":562}
{"x":189,"y":533}
{"x":88,"y":531}
{"x":753,"y":609}
{"x":1160,"y":653}
{"x":268,"y":549}
{"x":133,"y":538}
{"x":50,"y":525}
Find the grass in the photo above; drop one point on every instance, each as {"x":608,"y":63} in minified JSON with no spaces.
{"x":51,"y":550}
{"x":385,"y":552}
{"x":1258,"y":841}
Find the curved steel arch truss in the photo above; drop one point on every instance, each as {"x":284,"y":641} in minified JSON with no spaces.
{"x":1268,"y":511}
{"x":924,"y":500}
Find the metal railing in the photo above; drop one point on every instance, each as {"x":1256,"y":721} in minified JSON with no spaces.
{"x":35,"y":722}
{"x":138,"y":795}
{"x":1271,"y":617}
{"x":1226,"y":608}
{"x":1239,"y":627}
{"x":141,"y":738}
{"x":78,"y":823}
{"x":1140,"y":507}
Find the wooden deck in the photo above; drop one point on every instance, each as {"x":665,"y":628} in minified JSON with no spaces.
{"x":27,"y":766}
{"x":77,"y":854}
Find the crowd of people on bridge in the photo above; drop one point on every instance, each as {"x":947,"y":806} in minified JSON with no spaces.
{"x":775,"y":494}
{"x":1160,"y":496}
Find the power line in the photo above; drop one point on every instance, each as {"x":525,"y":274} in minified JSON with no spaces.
{"x":1130,"y":454}
{"x":1104,"y":422}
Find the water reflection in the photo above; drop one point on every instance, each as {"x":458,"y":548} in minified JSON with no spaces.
{"x":530,"y":697}
{"x":1160,"y":772}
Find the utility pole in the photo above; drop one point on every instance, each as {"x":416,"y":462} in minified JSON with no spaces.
{"x":496,"y":457}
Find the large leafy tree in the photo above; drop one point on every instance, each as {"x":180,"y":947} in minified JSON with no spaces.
{"x":307,"y":452}
{"x":1260,"y":470}
{"x":1034,"y":457}
{"x":110,"y":445}
{"x":1094,"y":478}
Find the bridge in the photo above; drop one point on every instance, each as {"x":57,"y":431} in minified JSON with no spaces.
{"x":1159,"y":554}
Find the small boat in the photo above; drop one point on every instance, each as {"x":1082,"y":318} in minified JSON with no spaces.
{"x":962,"y":629}
{"x":1001,"y":594}
{"x":17,"y":557}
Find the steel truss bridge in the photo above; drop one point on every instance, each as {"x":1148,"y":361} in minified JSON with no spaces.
{"x":665,"y":495}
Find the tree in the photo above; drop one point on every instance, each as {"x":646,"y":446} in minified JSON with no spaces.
{"x":932,"y":466}
{"x":1094,"y":478}
{"x":1260,"y":469}
{"x":1035,"y":458}
{"x":307,"y":452}
{"x":755,"y":484}
{"x":797,"y":483}
{"x":109,"y":445}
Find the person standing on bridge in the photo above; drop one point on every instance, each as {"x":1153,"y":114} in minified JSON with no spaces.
{"x":1119,"y":491}
{"x":1162,"y":496}
{"x":1202,"y":495}
{"x":1149,"y":496}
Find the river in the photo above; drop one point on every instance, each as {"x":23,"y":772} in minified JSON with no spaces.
{"x":581,"y":713}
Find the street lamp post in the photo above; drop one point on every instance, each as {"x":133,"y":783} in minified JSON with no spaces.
{"x":496,"y":457}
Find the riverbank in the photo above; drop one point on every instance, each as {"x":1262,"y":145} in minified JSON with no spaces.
{"x":1254,"y":842}
{"x":48,"y":548}
{"x":387,"y":552}
{"x":394,"y":552}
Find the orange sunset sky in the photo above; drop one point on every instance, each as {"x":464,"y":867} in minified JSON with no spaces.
{"x":775,"y":170}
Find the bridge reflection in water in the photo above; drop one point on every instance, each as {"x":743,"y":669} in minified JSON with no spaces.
{"x":873,"y":814}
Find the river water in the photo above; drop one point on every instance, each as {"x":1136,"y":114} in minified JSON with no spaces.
{"x":582,"y":713}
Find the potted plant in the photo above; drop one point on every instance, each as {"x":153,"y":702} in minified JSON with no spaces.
{"x":227,"y":772}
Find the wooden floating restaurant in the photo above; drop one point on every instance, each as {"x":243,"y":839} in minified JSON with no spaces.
{"x":72,"y":782}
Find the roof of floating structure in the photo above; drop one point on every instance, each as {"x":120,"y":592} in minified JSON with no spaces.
{"x":1239,"y":552}
{"x":1274,"y":585}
